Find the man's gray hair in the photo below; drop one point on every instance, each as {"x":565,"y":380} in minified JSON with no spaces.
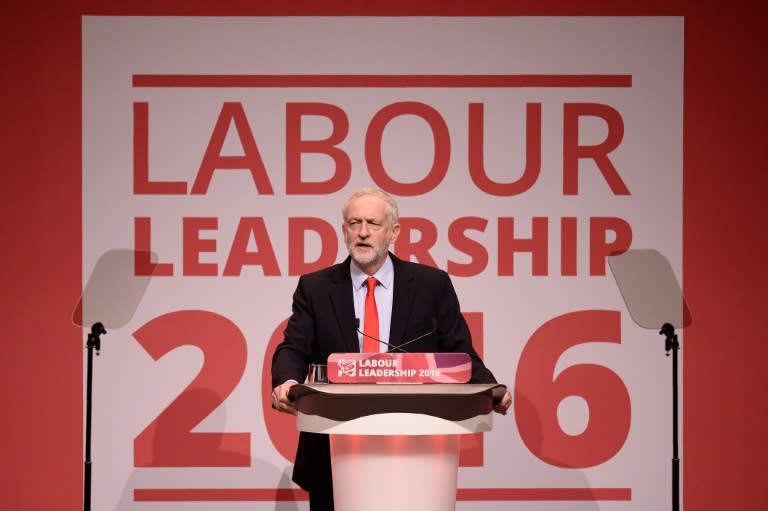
{"x":393,"y":213}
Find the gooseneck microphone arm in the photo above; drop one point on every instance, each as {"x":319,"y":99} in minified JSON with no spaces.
{"x":432,"y":331}
{"x":391,"y":347}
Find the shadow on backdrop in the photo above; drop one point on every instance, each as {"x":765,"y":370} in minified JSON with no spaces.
{"x":170,"y":464}
{"x":571,"y":481}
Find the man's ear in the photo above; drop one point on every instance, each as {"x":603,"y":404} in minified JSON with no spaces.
{"x":343,"y":232}
{"x":395,"y":232}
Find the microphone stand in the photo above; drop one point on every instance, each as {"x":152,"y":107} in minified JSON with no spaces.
{"x":93,"y":342}
{"x":671,"y":344}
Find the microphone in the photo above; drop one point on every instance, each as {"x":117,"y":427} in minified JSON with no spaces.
{"x":391,"y":347}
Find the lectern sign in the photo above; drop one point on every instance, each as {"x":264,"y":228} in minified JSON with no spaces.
{"x":399,"y":368}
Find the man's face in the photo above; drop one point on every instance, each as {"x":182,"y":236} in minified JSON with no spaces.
{"x":368,"y":232}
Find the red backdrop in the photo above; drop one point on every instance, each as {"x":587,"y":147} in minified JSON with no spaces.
{"x":725,"y":355}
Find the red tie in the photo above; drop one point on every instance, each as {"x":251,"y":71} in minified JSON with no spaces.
{"x":371,"y":319}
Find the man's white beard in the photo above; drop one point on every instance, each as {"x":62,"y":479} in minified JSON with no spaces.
{"x":366,"y":256}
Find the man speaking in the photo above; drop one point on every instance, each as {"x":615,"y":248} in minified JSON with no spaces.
{"x":395,"y":301}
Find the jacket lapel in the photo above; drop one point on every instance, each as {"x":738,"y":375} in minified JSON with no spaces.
{"x":340,"y":295}
{"x":402,"y":301}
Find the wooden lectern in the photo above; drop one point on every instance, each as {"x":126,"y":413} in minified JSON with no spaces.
{"x":395,"y":446}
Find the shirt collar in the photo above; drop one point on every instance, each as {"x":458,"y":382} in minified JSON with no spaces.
{"x":385,"y":275}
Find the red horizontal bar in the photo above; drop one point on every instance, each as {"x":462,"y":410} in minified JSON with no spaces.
{"x":218,"y":494}
{"x":462,"y":494}
{"x":528,"y":494}
{"x":383,"y":81}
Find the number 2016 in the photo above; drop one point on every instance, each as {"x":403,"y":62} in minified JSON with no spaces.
{"x":537,"y":393}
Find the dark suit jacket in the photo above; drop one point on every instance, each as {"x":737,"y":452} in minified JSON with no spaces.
{"x":323,"y":322}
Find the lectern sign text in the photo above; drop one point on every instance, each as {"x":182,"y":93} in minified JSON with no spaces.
{"x":399,"y":368}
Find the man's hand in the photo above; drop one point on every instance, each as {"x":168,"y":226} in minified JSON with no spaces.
{"x":280,"y":398}
{"x":504,"y":404}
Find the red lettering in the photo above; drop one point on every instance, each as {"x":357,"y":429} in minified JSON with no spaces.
{"x":141,"y":183}
{"x":600,"y":248}
{"x":417,"y":250}
{"x":536,"y":245}
{"x":142,"y":241}
{"x":194,"y":245}
{"x":232,"y":112}
{"x":532,"y":152}
{"x":539,"y":390}
{"x":442,"y":148}
{"x":329,"y":244}
{"x":281,"y":427}
{"x":251,"y":228}
{"x":295,"y":146}
{"x":568,"y":246}
{"x":476,"y":251}
{"x":168,"y":441}
{"x":573,"y":152}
